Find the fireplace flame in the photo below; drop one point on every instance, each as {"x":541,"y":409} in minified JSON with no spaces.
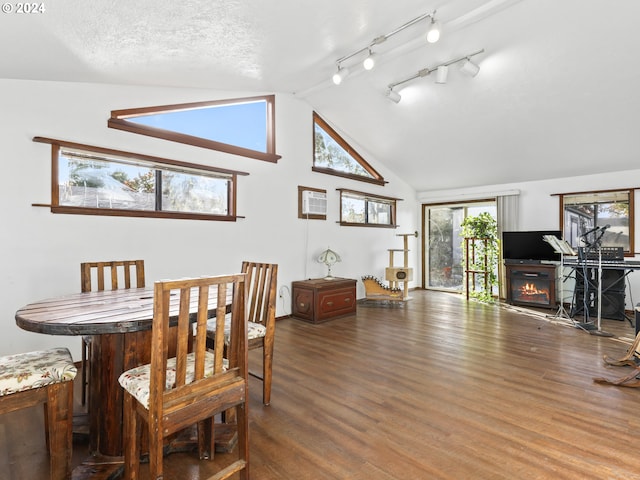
{"x":530,"y":289}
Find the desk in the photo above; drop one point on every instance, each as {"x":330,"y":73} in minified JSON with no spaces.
{"x":119,"y":322}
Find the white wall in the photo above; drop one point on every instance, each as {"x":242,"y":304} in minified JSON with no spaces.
{"x":41,"y":252}
{"x":539,"y":207}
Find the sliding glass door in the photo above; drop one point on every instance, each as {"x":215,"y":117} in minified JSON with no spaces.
{"x":443,"y":244}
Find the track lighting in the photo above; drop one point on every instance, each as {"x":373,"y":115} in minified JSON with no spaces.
{"x":340,"y":75}
{"x":469,"y":68}
{"x":441,"y":76}
{"x":433,"y":33}
{"x":369,"y":62}
{"x":393,"y":95}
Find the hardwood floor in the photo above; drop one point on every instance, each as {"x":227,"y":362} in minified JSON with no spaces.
{"x":436,"y":389}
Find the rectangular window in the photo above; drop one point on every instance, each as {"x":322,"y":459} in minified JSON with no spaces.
{"x":98,"y":181}
{"x":379,"y":212}
{"x":602,"y":218}
{"x":90,"y":182}
{"x":364,"y":209}
{"x":182,"y":192}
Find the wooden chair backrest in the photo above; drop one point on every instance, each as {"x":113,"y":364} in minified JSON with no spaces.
{"x":112,"y":275}
{"x":262,"y":281}
{"x":183,"y":304}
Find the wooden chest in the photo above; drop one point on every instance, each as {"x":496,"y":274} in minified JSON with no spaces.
{"x":319,"y":300}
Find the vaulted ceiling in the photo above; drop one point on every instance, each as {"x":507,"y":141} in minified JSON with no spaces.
{"x":557,"y":94}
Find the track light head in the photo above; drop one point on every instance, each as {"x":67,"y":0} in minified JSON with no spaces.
{"x":393,"y":95}
{"x":441,"y":74}
{"x":340,"y":75}
{"x":433,"y":32}
{"x":370,"y":61}
{"x":469,"y":68}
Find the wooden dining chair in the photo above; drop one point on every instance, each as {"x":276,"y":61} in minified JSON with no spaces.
{"x":262,"y":280}
{"x":43,"y":378}
{"x":171,"y":394}
{"x":98,"y":276}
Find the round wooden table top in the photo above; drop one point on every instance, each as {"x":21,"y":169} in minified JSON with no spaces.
{"x":96,"y":313}
{"x":90,"y":313}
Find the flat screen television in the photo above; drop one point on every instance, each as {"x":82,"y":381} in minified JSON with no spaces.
{"x":529,"y":247}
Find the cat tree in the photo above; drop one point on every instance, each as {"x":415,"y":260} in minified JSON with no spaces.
{"x":397,"y":276}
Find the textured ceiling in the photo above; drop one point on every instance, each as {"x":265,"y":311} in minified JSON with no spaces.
{"x":557,"y":94}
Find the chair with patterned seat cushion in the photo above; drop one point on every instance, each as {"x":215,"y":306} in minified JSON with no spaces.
{"x":43,"y":378}
{"x":173,"y":393}
{"x":98,"y":276}
{"x":262,"y":280}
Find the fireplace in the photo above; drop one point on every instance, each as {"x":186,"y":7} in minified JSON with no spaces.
{"x":531,"y":284}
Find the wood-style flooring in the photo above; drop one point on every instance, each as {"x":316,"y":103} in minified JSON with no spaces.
{"x":438,"y":388}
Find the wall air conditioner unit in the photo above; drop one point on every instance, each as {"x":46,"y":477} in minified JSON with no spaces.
{"x":314,"y":203}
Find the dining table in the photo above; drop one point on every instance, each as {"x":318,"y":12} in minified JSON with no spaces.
{"x":118,"y":323}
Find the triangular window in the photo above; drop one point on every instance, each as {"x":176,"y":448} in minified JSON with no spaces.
{"x":334,"y":156}
{"x":241,"y":126}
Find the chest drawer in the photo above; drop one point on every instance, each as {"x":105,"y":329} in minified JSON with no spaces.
{"x":338,"y":302}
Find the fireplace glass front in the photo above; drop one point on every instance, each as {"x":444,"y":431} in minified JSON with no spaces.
{"x":532,"y":285}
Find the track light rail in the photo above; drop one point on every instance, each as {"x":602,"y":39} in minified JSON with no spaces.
{"x":433,"y":34}
{"x":426,"y":71}
{"x":383,"y":38}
